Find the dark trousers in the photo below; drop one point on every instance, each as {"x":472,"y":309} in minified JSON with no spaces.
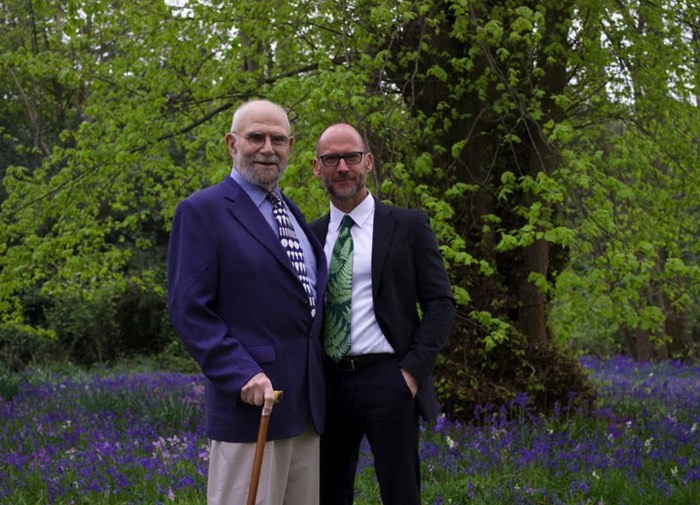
{"x":373,"y":401}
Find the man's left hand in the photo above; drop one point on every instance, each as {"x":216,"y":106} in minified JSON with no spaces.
{"x":411,"y":382}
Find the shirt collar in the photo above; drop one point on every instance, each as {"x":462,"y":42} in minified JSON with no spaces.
{"x":359,"y":214}
{"x":256,"y":193}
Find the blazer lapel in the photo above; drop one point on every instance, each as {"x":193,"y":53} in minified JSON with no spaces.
{"x":320,"y":228}
{"x":243,"y":210}
{"x":384,"y":225}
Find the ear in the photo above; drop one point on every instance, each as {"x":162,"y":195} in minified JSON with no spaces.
{"x":369,"y":160}
{"x":317,"y":167}
{"x":230,"y":140}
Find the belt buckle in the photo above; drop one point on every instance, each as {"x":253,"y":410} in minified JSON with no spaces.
{"x":347,"y":364}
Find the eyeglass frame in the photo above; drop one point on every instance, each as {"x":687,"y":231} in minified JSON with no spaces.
{"x":276,"y":139}
{"x":342,"y":157}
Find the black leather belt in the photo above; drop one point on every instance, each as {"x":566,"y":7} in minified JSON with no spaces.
{"x":355,"y":363}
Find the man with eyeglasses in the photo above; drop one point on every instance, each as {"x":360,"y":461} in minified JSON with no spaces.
{"x":384,"y":262}
{"x":246,"y":281}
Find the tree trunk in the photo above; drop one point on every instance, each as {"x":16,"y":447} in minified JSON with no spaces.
{"x":678,"y":329}
{"x":643,"y":350}
{"x":532,"y":320}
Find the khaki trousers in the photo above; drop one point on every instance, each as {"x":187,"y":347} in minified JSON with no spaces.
{"x":289,"y":474}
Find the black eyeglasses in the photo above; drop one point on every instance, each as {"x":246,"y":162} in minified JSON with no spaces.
{"x":332,"y":160}
{"x":257,"y":140}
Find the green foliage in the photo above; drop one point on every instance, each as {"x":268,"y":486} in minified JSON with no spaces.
{"x":552,"y":143}
{"x":494,"y":373}
{"x":633,"y":263}
{"x":10,"y":384}
{"x":114,"y":322}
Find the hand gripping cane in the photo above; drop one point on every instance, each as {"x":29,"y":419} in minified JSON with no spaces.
{"x":259,"y":451}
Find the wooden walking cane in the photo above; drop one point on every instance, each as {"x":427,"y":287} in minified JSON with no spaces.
{"x":260,"y":450}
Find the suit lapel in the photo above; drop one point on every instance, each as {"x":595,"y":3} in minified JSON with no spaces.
{"x":244,"y":211}
{"x":384,"y":226}
{"x":320,"y":228}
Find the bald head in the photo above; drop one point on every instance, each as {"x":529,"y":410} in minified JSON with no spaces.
{"x":343,"y":131}
{"x":255,"y":109}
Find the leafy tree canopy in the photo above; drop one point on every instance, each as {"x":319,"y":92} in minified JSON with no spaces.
{"x":553,"y":144}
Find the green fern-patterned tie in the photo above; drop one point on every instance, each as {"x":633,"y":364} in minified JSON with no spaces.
{"x":339,"y":294}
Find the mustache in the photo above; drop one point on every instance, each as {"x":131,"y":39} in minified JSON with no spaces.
{"x":348,"y":177}
{"x":267,"y":159}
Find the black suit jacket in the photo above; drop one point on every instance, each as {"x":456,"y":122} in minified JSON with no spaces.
{"x":408,"y":272}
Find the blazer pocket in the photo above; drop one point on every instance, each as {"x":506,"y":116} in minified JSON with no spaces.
{"x":262,"y":353}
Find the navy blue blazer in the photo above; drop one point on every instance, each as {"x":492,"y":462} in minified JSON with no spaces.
{"x":237,"y":304}
{"x":407,"y":269}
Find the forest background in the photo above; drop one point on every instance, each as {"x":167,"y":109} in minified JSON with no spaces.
{"x":553,"y":144}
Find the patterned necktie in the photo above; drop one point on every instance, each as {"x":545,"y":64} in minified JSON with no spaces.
{"x":290,"y":242}
{"x":339,"y":294}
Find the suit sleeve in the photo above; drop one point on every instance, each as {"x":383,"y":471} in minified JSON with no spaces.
{"x":435,"y":300}
{"x":193,"y":281}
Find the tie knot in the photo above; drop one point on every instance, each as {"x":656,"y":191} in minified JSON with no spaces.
{"x":347,"y":222}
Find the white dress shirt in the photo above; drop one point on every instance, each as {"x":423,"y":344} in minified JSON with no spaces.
{"x":366,"y":335}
